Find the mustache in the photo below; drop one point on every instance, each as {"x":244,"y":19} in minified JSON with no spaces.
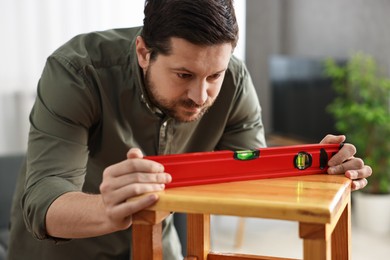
{"x":188,"y":103}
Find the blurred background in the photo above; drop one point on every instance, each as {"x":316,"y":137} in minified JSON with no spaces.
{"x":284,"y":44}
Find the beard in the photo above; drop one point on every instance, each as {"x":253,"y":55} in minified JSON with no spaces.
{"x":183,"y":109}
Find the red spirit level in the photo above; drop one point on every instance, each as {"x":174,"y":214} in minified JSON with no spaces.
{"x":225,"y":166}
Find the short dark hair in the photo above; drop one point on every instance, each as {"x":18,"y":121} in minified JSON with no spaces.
{"x":201,"y":22}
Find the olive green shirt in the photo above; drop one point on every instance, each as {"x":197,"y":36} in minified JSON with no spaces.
{"x":91,"y":108}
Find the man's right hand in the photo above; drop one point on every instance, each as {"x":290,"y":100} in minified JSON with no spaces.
{"x":79,"y":215}
{"x":131,"y":178}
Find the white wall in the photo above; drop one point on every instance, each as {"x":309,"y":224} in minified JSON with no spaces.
{"x":32,"y":30}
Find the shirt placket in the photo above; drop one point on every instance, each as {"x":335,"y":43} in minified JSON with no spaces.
{"x":165,"y":137}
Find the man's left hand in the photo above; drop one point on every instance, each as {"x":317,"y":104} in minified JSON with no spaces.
{"x":344,"y":162}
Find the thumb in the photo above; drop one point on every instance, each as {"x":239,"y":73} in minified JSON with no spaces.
{"x":333,"y":139}
{"x":134,"y":153}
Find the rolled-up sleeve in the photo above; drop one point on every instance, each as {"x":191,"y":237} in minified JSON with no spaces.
{"x":58,"y":140}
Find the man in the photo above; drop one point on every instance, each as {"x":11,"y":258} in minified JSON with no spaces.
{"x":105,"y":100}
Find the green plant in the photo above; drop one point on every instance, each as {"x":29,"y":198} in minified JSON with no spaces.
{"x":361,"y":111}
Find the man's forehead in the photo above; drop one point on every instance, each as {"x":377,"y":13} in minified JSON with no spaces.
{"x":183,"y":52}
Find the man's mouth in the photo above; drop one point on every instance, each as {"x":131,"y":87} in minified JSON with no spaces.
{"x":193,"y":109}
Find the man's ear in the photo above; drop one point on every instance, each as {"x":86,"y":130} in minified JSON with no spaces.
{"x":143,"y":54}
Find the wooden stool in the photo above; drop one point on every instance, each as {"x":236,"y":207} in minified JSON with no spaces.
{"x":320,"y":203}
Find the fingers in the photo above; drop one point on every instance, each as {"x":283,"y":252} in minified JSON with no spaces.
{"x":355,"y":170}
{"x":343,"y":159}
{"x":132,"y":166}
{"x":126,"y":179}
{"x":359,"y":177}
{"x":359,"y":184}
{"x":361,"y":173}
{"x":344,"y":162}
{"x":134,"y":153}
{"x":119,"y":206}
{"x":333,"y":139}
{"x":117,"y":190}
{"x":121,"y":214}
{"x":346,"y":153}
{"x":129,"y":187}
{"x":131,"y":178}
{"x":341,"y":167}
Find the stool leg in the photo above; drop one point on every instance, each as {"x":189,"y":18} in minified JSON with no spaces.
{"x":341,"y":236}
{"x":146,"y":242}
{"x":316,"y":241}
{"x":240,"y":232}
{"x":198,"y":236}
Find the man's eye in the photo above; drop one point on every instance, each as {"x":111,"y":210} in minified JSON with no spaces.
{"x":215,"y":76}
{"x":184,"y":75}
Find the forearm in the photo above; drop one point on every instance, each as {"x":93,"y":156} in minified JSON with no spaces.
{"x":77,"y":215}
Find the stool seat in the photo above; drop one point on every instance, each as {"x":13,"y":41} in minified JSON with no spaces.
{"x":320,"y":203}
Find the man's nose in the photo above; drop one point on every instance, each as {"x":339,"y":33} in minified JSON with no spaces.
{"x":198,"y":92}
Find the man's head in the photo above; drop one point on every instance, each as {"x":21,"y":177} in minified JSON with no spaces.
{"x":201,"y":22}
{"x":184,"y":51}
